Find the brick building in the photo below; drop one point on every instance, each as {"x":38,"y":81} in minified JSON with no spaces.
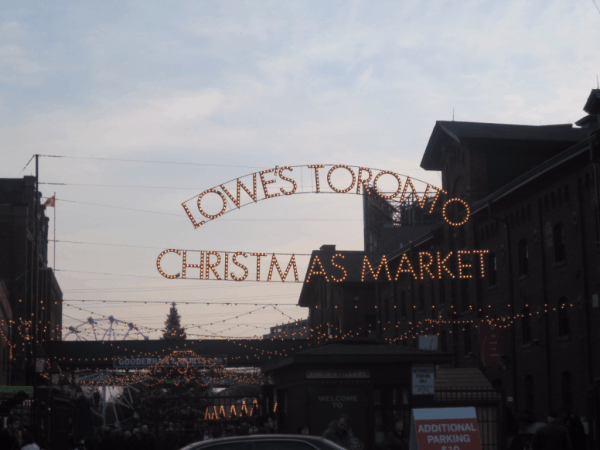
{"x":529,"y":257}
{"x":31,"y":287}
{"x":5,"y":336}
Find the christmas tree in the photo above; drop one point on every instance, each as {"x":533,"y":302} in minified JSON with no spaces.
{"x":173,"y":330}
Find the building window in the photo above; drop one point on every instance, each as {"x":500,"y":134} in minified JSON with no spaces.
{"x":467,"y":337}
{"x":370,"y":324}
{"x":421,"y":297}
{"x":492,"y":269}
{"x":566,"y":384}
{"x":526,"y":326}
{"x":453,"y":291}
{"x":523,"y":254}
{"x":464,"y":292}
{"x":559,"y":243}
{"x":529,"y":394}
{"x":403,"y":304}
{"x":444,"y":341}
{"x":563,"y":317}
{"x":442,"y":286}
{"x":386,"y":311}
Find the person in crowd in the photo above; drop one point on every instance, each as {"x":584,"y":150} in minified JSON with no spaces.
{"x":553,"y":436}
{"x":127,"y":441}
{"x":10,"y":438}
{"x":396,"y":439}
{"x":303,"y":430}
{"x":149,"y":438}
{"x":339,"y":432}
{"x":137,"y":440}
{"x":573,"y":424}
{"x":29,"y":442}
{"x":269,"y":426}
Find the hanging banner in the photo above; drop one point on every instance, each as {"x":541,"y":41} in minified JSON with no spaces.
{"x":489,"y":337}
{"x":137,"y":362}
{"x":444,"y":429}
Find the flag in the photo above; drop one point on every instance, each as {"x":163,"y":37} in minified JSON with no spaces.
{"x":50,"y":202}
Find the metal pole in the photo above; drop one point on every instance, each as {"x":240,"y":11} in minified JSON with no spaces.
{"x":54,"y":246}
{"x":35,"y":269}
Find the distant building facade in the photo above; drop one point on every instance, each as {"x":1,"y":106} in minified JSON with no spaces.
{"x":298,"y":329}
{"x":530,"y":252}
{"x":32,"y":290}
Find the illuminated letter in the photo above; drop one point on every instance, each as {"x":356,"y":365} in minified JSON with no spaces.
{"x":382,"y":263}
{"x":340,"y":191}
{"x":317,"y":167}
{"x":456,"y":224}
{"x":395,"y":175}
{"x":163,"y":253}
{"x":187,"y":211}
{"x":240,"y":186}
{"x":212,"y":266}
{"x":184,"y":264}
{"x":235,"y":261}
{"x":425,"y":267}
{"x":404,"y":191}
{"x":481,"y":260}
{"x":435,"y":199}
{"x":283,"y":276}
{"x":264,"y":183}
{"x":287,"y":179}
{"x":258,"y":255}
{"x":311,"y":272}
{"x":462,"y":266}
{"x":338,"y":255}
{"x":214,"y":191}
{"x":441,"y":263}
{"x":409,"y":269}
{"x":365,"y":183}
{"x":226,"y":265}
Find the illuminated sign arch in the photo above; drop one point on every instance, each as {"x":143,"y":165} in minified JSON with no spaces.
{"x":229,"y":197}
{"x":236,"y":193}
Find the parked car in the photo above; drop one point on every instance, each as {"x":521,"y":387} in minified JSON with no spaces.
{"x":266,"y":442}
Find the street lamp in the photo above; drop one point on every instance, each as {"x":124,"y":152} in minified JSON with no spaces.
{"x":55,"y":374}
{"x":40,"y":359}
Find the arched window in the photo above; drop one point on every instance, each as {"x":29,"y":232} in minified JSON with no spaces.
{"x":526,"y":326}
{"x":467,"y":339}
{"x":444,"y":341}
{"x":403,"y":304}
{"x":464,"y":295}
{"x":492,"y":269}
{"x":563,"y":317}
{"x":529,"y":394}
{"x":523,"y":254}
{"x":386,"y":310}
{"x":421,"y":297}
{"x":442,"y":285}
{"x":559,"y":243}
{"x":566,"y":384}
{"x":453,"y":291}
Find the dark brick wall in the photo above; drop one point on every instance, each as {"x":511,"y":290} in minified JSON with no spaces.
{"x":31,"y":285}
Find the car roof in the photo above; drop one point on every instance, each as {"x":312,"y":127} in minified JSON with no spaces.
{"x":261,"y":437}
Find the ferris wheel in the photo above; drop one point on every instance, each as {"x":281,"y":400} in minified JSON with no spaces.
{"x":105,"y":329}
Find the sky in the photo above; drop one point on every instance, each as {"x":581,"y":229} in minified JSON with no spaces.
{"x":149,"y":104}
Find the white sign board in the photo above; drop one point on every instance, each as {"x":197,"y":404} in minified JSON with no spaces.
{"x":444,"y":429}
{"x":423,"y":379}
{"x":428,"y":342}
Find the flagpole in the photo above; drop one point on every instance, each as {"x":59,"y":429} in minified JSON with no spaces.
{"x":54,"y":247}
